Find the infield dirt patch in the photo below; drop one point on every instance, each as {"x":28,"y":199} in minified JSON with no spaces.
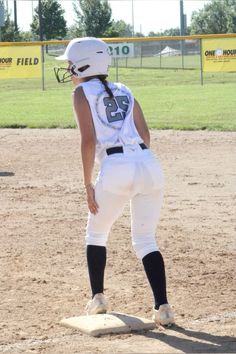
{"x":44,"y":278}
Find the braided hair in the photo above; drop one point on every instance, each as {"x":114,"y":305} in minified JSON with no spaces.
{"x":103,"y":80}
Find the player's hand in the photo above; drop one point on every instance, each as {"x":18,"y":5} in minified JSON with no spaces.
{"x":92,"y":204}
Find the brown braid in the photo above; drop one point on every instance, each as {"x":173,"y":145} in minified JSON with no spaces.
{"x":103,"y":80}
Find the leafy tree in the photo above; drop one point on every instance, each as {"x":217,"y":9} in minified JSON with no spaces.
{"x":139,"y":34}
{"x":215,"y":17}
{"x":53,"y":22}
{"x":232,"y":17}
{"x":152,"y":34}
{"x":26,"y":36}
{"x":93,"y":17}
{"x":8,"y":32}
{"x":73,"y":32}
{"x":169,"y":32}
{"x":119,"y":29}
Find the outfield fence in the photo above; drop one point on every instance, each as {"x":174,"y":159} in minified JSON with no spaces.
{"x":153,"y":54}
{"x":179,"y":53}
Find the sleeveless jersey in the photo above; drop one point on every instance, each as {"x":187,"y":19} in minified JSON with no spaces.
{"x":112,"y":117}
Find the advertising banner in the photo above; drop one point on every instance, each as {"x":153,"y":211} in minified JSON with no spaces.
{"x":219,"y":54}
{"x":20,"y":62}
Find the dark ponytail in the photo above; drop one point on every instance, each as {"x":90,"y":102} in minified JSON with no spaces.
{"x":103,"y":80}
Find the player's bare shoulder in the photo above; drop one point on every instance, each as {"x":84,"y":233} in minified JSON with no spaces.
{"x":78,"y":93}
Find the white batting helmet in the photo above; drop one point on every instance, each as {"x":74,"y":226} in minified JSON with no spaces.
{"x":89,"y":57}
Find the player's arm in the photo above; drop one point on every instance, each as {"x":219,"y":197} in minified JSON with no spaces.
{"x":141,"y":124}
{"x":88,"y":143}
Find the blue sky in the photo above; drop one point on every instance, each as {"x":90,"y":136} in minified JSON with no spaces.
{"x":146,"y":15}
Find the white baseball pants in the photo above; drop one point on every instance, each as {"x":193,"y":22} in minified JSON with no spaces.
{"x":135,"y":176}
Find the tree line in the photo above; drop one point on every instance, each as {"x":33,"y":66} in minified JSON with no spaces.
{"x":94,"y":18}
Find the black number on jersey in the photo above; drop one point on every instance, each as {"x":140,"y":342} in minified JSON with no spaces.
{"x":116,"y":108}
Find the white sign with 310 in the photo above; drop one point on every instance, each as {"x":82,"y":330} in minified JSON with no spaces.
{"x":121,"y":50}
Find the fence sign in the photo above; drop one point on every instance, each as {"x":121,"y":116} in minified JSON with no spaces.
{"x":219,"y":54}
{"x":20,"y":62}
{"x":121,"y":50}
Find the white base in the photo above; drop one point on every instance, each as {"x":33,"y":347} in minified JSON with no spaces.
{"x":113,"y":322}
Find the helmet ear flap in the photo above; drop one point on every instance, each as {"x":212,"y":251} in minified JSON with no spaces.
{"x":72,"y":69}
{"x":77,"y":71}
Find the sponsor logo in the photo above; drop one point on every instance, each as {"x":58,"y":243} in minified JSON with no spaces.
{"x":5,"y":61}
{"x":8,"y":61}
{"x":219,"y":52}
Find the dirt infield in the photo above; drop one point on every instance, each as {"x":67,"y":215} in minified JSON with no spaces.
{"x":43,"y":272}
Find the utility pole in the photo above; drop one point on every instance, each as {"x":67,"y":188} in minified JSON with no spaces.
{"x":32,"y":8}
{"x":2,"y":14}
{"x":41,"y":39}
{"x":40,"y":21}
{"x":182,"y":31}
{"x":132,"y":17}
{"x":15,"y":15}
{"x":181,"y":8}
{"x":2,"y":17}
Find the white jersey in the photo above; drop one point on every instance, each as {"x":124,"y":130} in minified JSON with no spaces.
{"x":112,"y":117}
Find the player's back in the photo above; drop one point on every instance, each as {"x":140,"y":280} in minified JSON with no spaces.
{"x":112,"y":116}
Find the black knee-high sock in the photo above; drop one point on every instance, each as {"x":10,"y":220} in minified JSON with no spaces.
{"x":155,"y":270}
{"x":96,"y":259}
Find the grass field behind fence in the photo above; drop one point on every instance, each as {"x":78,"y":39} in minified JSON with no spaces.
{"x":171,"y":99}
{"x":157,"y":61}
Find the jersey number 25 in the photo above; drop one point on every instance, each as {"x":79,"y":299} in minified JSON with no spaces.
{"x":116,"y":108}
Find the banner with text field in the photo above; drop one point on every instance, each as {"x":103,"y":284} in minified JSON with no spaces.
{"x":20,"y":62}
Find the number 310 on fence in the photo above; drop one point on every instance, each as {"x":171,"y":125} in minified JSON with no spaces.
{"x":121,"y":50}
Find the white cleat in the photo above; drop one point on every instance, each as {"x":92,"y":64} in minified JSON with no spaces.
{"x":164,"y":316}
{"x":97,"y":305}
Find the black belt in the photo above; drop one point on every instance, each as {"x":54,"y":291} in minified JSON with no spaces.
{"x":119,"y":149}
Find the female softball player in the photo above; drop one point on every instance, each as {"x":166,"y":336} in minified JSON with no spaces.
{"x":114,"y":132}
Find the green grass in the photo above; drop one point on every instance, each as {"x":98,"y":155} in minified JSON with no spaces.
{"x":189,"y":61}
{"x":171,"y":99}
{"x":190,"y":107}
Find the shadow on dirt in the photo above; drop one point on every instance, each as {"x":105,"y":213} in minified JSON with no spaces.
{"x":7,"y":174}
{"x":205,"y":343}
